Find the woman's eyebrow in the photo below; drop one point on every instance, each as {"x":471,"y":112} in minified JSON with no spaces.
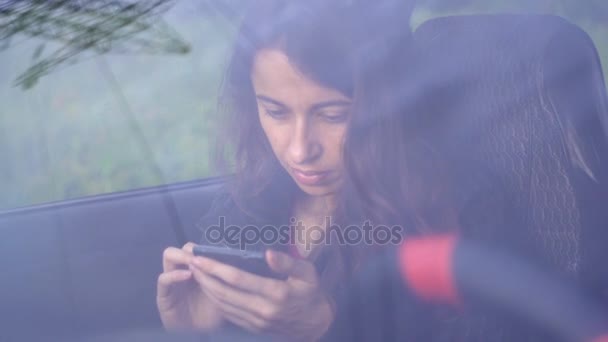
{"x":269,"y":100}
{"x":332,"y":103}
{"x":315,"y":107}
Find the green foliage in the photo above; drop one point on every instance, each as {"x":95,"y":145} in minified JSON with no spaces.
{"x":71,"y":134}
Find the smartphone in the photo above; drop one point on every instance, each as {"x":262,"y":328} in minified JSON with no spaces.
{"x":249,"y":261}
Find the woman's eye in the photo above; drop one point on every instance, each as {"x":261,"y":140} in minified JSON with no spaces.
{"x":277,"y":114}
{"x":335,"y":117}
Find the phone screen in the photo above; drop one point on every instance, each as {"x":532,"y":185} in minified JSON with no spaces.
{"x":249,"y":261}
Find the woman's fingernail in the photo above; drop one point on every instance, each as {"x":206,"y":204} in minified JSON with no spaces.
{"x":271,"y":256}
{"x":277,"y":258}
{"x":185,"y":273}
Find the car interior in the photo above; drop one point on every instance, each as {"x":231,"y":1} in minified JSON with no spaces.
{"x":519,"y":106}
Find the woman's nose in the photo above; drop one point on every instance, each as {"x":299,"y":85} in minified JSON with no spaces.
{"x":304,"y":146}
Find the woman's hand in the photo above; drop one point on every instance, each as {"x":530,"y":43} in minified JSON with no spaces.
{"x":181,"y":303}
{"x":296,"y":307}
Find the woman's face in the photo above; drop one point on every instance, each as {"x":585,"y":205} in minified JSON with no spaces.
{"x":304,"y":122}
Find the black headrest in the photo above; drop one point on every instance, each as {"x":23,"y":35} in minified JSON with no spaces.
{"x":518,"y":104}
{"x":515,"y":61}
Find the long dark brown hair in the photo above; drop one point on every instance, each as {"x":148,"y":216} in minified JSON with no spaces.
{"x":397,"y":173}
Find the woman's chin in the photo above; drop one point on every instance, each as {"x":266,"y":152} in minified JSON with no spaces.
{"x":315,"y":192}
{"x":318,"y":191}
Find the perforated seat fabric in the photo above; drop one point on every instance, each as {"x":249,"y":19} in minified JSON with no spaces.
{"x":518,"y":107}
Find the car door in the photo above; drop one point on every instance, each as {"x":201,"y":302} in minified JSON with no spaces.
{"x":89,"y":265}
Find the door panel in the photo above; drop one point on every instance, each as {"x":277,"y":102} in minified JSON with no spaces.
{"x":90,"y":265}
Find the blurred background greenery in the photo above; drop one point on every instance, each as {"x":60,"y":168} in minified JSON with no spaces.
{"x":121,"y":121}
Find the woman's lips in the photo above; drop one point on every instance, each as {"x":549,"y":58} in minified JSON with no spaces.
{"x":310,"y":177}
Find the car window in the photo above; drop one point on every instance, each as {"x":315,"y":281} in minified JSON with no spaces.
{"x":102,"y":96}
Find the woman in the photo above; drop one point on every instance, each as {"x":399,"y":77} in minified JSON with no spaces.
{"x":289,"y":96}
